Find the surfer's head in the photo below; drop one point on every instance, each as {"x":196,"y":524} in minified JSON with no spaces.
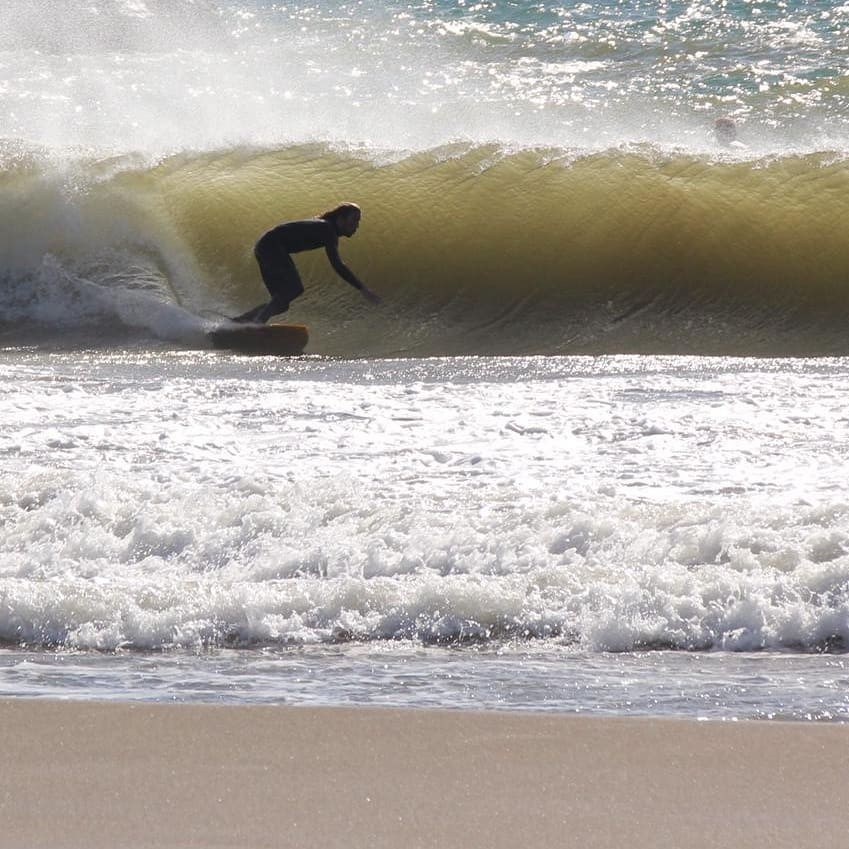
{"x":345,"y":218}
{"x":725,"y":130}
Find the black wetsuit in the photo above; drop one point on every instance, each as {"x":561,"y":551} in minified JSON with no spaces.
{"x":273,"y":254}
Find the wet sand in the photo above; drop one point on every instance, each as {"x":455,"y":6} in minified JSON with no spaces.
{"x":135,"y":775}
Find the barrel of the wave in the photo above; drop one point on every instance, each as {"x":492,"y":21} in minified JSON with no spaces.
{"x":282,"y":340}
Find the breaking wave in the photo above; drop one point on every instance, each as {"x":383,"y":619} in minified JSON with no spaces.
{"x":476,"y":249}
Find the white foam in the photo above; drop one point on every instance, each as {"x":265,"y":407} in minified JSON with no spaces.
{"x":78,"y":251}
{"x":152,"y":505}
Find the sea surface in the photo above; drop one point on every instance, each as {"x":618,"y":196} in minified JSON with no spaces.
{"x":589,"y":454}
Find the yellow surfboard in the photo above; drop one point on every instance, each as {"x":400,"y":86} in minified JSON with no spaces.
{"x":282,"y":340}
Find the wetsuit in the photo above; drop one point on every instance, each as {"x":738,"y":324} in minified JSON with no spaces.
{"x":273,"y":254}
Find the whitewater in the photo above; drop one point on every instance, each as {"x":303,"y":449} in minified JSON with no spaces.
{"x":587,"y":455}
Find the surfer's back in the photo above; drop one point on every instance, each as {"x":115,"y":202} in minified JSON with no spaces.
{"x":296,"y":236}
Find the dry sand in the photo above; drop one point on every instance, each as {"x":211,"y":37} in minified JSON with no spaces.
{"x":90,"y":775}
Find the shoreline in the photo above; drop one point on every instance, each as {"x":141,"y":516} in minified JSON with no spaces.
{"x":102,"y":774}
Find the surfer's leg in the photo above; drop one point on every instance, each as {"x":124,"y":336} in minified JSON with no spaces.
{"x":281,"y":278}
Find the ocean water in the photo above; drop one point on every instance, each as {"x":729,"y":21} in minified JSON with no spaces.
{"x":589,"y":454}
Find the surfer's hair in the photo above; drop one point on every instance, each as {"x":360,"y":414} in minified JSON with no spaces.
{"x":339,"y":211}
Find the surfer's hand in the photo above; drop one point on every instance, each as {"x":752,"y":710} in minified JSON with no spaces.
{"x":370,"y":296}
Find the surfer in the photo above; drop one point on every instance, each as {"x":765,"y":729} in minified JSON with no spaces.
{"x":725,"y":133}
{"x":274,"y":251}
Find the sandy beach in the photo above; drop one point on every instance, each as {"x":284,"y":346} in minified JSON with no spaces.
{"x":138,"y":775}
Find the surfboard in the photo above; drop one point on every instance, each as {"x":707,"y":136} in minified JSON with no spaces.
{"x":282,"y":340}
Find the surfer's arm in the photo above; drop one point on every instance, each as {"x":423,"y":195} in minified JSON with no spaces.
{"x":347,"y":275}
{"x":340,"y":268}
